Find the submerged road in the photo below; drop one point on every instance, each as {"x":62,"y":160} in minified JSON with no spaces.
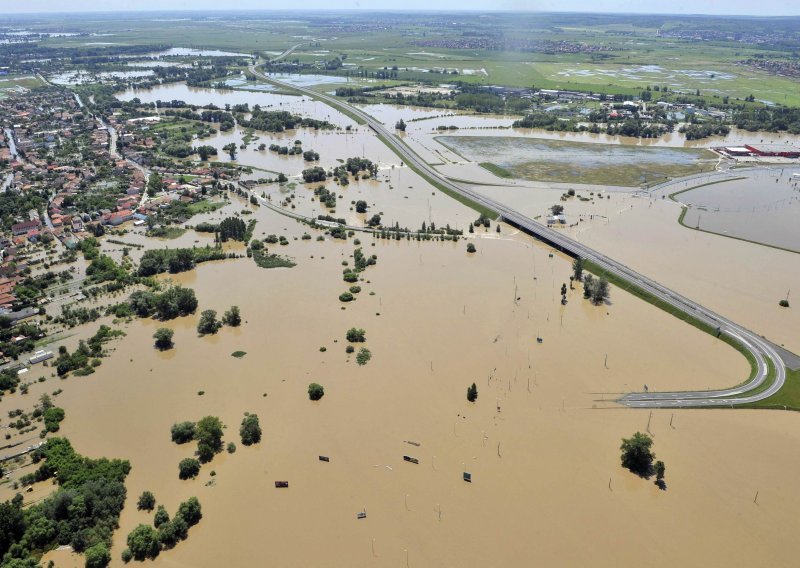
{"x":768,"y":361}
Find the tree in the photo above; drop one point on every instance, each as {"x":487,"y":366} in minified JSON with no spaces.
{"x":147,"y":501}
{"x":400,"y":125}
{"x":208,"y":323}
{"x":188,"y":468}
{"x":471,"y":247}
{"x":282,"y":178}
{"x":472,"y":393}
{"x":660,"y":469}
{"x":143,"y":542}
{"x":154,"y":185}
{"x":374,"y":221}
{"x":361,"y":206}
{"x":183,"y":432}
{"x":163,"y":337}
{"x":230,"y":148}
{"x":209,"y":438}
{"x":315,"y":391}
{"x":600,"y":291}
{"x":160,"y":517}
{"x":190,"y":511}
{"x":12,"y":523}
{"x":250,"y":431}
{"x":636,"y":454}
{"x":577,"y":268}
{"x":356,"y":335}
{"x":97,"y":556}
{"x":232,"y":317}
{"x":557,"y":209}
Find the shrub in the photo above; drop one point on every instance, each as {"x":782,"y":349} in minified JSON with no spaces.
{"x":183,"y":432}
{"x":97,"y":556}
{"x":470,"y":247}
{"x":232,"y":317}
{"x":355,"y":289}
{"x":190,"y":511}
{"x":163,"y":337}
{"x":188,"y":468}
{"x":346,"y":297}
{"x":355,"y":335}
{"x":208,"y":323}
{"x":364,"y":355}
{"x":315,"y":391}
{"x":472,"y":393}
{"x":160,"y":517}
{"x":250,"y":430}
{"x":349,"y":349}
{"x":784,"y":303}
{"x":146,"y":502}
{"x":143,"y":542}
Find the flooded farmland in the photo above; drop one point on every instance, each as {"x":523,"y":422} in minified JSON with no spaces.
{"x":561,"y":161}
{"x":763,"y":206}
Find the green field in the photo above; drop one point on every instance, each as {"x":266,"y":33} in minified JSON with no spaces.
{"x":14,"y":83}
{"x":417,"y":44}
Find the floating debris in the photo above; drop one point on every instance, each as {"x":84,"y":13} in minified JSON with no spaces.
{"x":412,"y":443}
{"x":467,"y":477}
{"x":410,"y":459}
{"x":324,"y":459}
{"x":281,"y":484}
{"x":361,"y":515}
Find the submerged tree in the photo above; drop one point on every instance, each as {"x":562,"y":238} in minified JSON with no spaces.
{"x":163,"y":337}
{"x":577,"y":268}
{"x":250,"y":430}
{"x":315,"y":391}
{"x":636,"y":454}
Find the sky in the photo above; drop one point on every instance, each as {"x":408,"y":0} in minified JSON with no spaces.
{"x":726,"y":7}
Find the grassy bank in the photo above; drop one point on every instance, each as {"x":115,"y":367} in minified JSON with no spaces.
{"x":499,"y":171}
{"x":788,"y":398}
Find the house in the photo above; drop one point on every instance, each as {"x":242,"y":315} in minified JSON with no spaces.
{"x":559,"y":219}
{"x":25,"y":227}
{"x":118,"y":217}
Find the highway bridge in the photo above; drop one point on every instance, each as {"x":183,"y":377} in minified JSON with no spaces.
{"x":770,"y":370}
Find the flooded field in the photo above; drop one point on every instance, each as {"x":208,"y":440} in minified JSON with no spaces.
{"x":763,"y":207}
{"x":78,"y":77}
{"x":560,"y":161}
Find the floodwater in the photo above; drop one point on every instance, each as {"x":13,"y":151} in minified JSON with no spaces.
{"x":764,"y":207}
{"x":537,"y":449}
{"x":541,"y":442}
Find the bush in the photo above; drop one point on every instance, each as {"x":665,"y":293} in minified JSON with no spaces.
{"x":355,"y":289}
{"x":232,"y":317}
{"x":472,"y":393}
{"x":208,"y":323}
{"x":160,"y":517}
{"x":349,"y":349}
{"x":364,"y":355}
{"x":183,"y":432}
{"x":127,"y":555}
{"x":250,"y":430}
{"x":346,"y":297}
{"x":97,"y":556}
{"x":143,"y":542}
{"x":315,"y":391}
{"x":355,"y":335}
{"x":188,"y":468}
{"x":784,"y":303}
{"x":190,"y":511}
{"x":231,"y":447}
{"x":163,"y":337}
{"x":147,"y":501}
{"x":470,"y":247}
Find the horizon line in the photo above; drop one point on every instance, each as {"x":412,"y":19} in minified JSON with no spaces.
{"x":386,"y":10}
